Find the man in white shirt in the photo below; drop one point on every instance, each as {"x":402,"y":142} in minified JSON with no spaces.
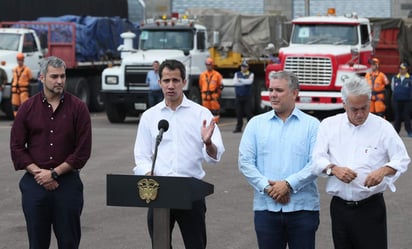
{"x":362,"y":155}
{"x":192,"y":137}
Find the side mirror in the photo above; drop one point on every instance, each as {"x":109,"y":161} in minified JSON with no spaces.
{"x":215,"y":37}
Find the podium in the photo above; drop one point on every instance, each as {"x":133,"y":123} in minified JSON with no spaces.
{"x":161,"y":193}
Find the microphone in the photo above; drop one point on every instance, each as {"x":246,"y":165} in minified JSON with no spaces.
{"x":163,"y":126}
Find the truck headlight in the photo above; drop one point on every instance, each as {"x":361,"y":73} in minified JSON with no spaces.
{"x":111,"y":80}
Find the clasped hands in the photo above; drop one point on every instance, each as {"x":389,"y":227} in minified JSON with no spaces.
{"x":279,"y":191}
{"x":43,"y":177}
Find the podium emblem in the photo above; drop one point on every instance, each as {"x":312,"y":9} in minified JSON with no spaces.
{"x":147,"y":189}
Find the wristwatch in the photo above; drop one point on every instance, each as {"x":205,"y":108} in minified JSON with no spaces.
{"x":54,"y":174}
{"x":329,"y":170}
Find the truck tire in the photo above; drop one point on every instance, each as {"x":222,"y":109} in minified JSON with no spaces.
{"x":96,"y":101}
{"x":79,"y":87}
{"x":114,"y":113}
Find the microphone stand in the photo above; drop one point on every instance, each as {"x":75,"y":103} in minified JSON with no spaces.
{"x":158,"y":139}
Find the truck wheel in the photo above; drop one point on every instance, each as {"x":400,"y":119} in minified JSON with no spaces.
{"x":194,"y":94}
{"x":115,"y":114}
{"x":79,"y":87}
{"x":96,"y":101}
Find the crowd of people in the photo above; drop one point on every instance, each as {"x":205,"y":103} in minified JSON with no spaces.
{"x":282,"y":152}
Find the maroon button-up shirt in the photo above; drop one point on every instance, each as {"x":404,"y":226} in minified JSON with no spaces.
{"x":49,"y":138}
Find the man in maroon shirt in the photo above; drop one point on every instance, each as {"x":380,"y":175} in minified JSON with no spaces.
{"x":51,"y":140}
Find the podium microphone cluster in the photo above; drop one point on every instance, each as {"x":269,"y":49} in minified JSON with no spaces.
{"x":163,"y":126}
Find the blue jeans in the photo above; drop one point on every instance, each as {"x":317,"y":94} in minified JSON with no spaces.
{"x":155,"y":96}
{"x":297,"y":230}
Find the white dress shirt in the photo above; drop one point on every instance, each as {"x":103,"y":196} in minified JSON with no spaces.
{"x":362,"y":148}
{"x":181,"y":150}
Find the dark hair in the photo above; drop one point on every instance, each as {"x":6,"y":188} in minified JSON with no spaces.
{"x":173,"y":65}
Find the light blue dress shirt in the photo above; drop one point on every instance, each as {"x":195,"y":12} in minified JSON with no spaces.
{"x":271,"y":149}
{"x":152,"y":78}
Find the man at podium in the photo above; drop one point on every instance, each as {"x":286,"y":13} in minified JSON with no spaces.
{"x":190,"y":137}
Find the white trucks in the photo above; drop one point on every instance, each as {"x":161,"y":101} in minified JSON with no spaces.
{"x":13,"y":41}
{"x":86,"y":44}
{"x":226,"y":38}
{"x":124,"y":88}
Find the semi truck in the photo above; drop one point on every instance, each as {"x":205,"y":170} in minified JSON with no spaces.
{"x":222,"y":37}
{"x":327,"y":51}
{"x":87,"y":45}
{"x":83,"y":71}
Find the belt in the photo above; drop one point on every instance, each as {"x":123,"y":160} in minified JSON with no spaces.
{"x":358,"y":203}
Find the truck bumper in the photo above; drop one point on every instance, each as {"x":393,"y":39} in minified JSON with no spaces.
{"x":132,"y":102}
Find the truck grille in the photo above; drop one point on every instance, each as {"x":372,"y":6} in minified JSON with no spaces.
{"x":315,"y":71}
{"x":135,"y":75}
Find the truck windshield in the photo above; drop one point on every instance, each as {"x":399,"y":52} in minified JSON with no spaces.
{"x":336,"y":34}
{"x":166,"y":39}
{"x":9,"y":41}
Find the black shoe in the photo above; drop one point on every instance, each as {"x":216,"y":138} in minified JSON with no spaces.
{"x":237,"y":131}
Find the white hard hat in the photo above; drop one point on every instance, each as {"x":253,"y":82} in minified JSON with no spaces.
{"x":270,"y":46}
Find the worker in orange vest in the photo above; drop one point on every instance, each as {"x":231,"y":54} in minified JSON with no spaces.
{"x":22,"y":76}
{"x":377,"y":81}
{"x":210,"y":84}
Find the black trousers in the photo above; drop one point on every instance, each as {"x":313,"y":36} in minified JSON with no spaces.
{"x":243,"y":107}
{"x":60,"y":209}
{"x":191,"y":222}
{"x":402,"y":111}
{"x":359,"y":225}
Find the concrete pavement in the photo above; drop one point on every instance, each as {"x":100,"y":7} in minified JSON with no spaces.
{"x":229,"y":214}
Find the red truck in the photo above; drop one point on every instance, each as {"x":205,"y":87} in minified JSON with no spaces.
{"x":326,"y":51}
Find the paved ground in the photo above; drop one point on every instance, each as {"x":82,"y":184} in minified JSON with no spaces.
{"x":229,"y":215}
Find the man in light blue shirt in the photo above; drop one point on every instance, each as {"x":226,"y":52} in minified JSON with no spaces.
{"x":275,"y":157}
{"x":152,"y":79}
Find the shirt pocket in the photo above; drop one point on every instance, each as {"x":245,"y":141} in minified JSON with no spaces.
{"x":367,"y":156}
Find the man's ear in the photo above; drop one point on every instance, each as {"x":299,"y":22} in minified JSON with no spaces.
{"x":41,"y":78}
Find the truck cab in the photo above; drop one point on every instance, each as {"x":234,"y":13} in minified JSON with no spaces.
{"x":124,"y":88}
{"x":12,"y":42}
{"x":324,"y":52}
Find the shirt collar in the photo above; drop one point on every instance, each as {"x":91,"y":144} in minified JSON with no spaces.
{"x":296,"y":113}
{"x":44,"y":99}
{"x":347,"y":121}
{"x":185,"y":103}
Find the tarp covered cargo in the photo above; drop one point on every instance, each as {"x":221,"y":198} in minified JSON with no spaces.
{"x":395,"y":34}
{"x":97,"y":38}
{"x":245,"y":34}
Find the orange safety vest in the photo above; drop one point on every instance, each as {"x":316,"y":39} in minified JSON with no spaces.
{"x":377,"y":81}
{"x":210,"y":84}
{"x":21,"y":78}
